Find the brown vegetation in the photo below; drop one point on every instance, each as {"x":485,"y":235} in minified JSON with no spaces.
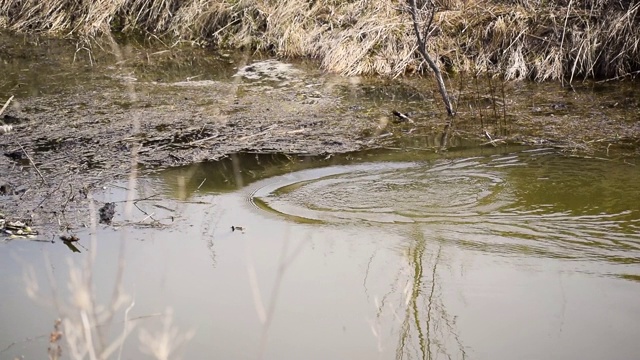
{"x":523,"y":39}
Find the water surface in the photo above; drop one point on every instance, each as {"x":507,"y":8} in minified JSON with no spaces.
{"x":477,"y":254}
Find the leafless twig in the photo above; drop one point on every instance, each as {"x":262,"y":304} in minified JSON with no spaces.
{"x":205,"y":139}
{"x":32,"y":163}
{"x":5,"y":105}
{"x":64,"y":206}
{"x":149,"y":216}
{"x":202,"y":183}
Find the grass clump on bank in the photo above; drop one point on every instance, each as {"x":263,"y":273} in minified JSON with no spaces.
{"x":521,"y":39}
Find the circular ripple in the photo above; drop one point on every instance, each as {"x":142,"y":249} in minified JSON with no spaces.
{"x":389,"y":193}
{"x":551,"y":206}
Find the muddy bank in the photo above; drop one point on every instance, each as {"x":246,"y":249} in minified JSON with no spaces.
{"x":85,"y":124}
{"x":63,"y":146}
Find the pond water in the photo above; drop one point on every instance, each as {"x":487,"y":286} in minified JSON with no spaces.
{"x":404,"y":252}
{"x":497,"y":253}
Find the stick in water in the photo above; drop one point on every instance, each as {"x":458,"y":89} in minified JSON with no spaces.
{"x":32,"y":163}
{"x":6,"y":104}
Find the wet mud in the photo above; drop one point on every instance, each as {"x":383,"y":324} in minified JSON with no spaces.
{"x":64,"y":146}
{"x":91,"y":125}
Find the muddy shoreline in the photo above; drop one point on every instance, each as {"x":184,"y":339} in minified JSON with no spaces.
{"x":65,"y":145}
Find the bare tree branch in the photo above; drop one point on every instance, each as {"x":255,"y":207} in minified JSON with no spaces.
{"x":422,"y":49}
{"x":427,"y":29}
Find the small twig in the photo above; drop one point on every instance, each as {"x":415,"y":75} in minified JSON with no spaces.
{"x":193,"y":77}
{"x":150,"y":216}
{"x":495,"y":142}
{"x":6,"y":104}
{"x":224,"y":27}
{"x":205,"y":139}
{"x":25,"y":193}
{"x":140,"y":199}
{"x":144,"y":212}
{"x":427,"y":32}
{"x":164,"y":207}
{"x":402,"y":117}
{"x":119,"y":187}
{"x":199,"y":186}
{"x":71,"y":196}
{"x":260,"y":133}
{"x":157,"y":38}
{"x":32,"y":163}
{"x":46,"y":197}
{"x":157,"y":52}
{"x":147,"y":149}
{"x":295,"y":131}
{"x":488,"y":136}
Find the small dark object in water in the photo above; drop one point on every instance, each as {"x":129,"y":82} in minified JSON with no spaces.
{"x":69,"y":241}
{"x":69,"y":238}
{"x":238,"y":228}
{"x":106,"y":213}
{"x":402,"y":117}
{"x":16,"y":155}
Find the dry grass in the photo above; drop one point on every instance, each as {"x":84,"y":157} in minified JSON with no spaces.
{"x":520,"y":39}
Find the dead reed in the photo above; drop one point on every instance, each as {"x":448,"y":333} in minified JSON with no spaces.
{"x":541,"y":40}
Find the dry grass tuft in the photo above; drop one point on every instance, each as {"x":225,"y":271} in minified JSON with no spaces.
{"x":521,"y":39}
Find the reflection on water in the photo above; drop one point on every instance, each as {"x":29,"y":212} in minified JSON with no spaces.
{"x":37,"y":66}
{"x":535,"y":203}
{"x":484,"y":254}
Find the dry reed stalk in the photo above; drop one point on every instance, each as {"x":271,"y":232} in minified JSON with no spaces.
{"x":524,"y":39}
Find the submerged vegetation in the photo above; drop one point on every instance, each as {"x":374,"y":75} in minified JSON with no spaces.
{"x":540,"y":40}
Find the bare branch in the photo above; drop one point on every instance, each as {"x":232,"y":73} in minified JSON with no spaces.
{"x":422,"y":49}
